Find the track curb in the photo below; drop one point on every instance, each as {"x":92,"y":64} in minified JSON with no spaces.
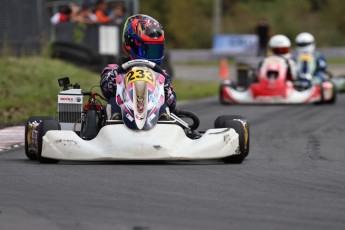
{"x":11,"y":137}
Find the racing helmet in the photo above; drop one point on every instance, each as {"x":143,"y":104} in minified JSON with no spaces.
{"x":305,"y":42}
{"x":279,"y":44}
{"x":143,"y":38}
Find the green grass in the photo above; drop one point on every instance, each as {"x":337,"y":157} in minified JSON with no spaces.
{"x":28,"y":86}
{"x":336,"y":60}
{"x":189,"y":90}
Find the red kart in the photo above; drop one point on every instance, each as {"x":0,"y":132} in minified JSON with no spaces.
{"x":273,"y":87}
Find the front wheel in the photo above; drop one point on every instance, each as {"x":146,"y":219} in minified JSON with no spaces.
{"x":27,"y":134}
{"x":90,"y":125}
{"x":241,"y":126}
{"x":334,"y":95}
{"x":221,"y":98}
{"x":44,"y":127}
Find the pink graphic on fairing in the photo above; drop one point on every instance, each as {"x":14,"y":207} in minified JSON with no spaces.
{"x":122,"y":94}
{"x":161,"y":79}
{"x":151,"y":87}
{"x":119,"y":79}
{"x":141,"y":112}
{"x":156,"y":97}
{"x":128,"y":100}
{"x":119,"y":100}
{"x":161,"y":100}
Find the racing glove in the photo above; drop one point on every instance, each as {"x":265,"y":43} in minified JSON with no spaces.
{"x":108,"y":81}
{"x":169,"y":93}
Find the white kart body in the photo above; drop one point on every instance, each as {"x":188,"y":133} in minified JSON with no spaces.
{"x":163,"y":142}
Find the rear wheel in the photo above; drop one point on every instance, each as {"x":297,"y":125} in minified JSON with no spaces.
{"x":31,"y":155}
{"x":91,"y":125}
{"x":241,"y":126}
{"x":221,"y":98}
{"x":220,"y":121}
{"x":334,"y":96}
{"x":322,"y":100}
{"x":44,"y":127}
{"x":221,"y":93}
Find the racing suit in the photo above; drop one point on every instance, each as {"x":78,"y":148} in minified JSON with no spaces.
{"x":320,"y":64}
{"x":108,"y":87}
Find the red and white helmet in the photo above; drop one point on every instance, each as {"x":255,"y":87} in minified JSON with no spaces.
{"x":279,"y":44}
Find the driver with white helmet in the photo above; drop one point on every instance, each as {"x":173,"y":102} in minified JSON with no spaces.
{"x":305,"y":43}
{"x":280,"y":46}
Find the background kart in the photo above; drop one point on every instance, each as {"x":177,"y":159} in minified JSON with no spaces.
{"x":272,"y":87}
{"x":82,"y":132}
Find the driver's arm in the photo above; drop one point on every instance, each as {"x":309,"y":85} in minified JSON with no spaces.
{"x":170,"y":95}
{"x":108,"y":81}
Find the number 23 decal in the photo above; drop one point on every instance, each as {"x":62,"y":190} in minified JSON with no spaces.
{"x":139,"y":74}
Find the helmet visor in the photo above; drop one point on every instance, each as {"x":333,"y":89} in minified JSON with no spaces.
{"x":150,"y":50}
{"x":281,"y":50}
{"x":304,"y":44}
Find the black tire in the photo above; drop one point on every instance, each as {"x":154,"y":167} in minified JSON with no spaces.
{"x":334,"y":96}
{"x":221,"y":97}
{"x":241,"y":126}
{"x":91,"y":126}
{"x":221,"y":100}
{"x":221,"y":86}
{"x":322,"y":96}
{"x":32,"y":156}
{"x":44,"y":127}
{"x":220,"y":121}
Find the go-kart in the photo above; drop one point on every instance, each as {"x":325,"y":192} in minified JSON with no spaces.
{"x":310,"y":74}
{"x":84,"y":132}
{"x":272,"y":87}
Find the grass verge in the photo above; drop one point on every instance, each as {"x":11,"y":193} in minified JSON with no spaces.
{"x":28,"y":86}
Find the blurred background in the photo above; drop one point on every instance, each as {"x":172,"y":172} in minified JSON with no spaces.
{"x":42,"y":40}
{"x":26,"y":26}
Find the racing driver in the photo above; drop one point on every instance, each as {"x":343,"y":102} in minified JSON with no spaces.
{"x":142,"y":38}
{"x":306,"y":45}
{"x":280,"y":46}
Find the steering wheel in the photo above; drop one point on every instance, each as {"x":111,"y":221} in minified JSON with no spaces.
{"x":122,"y":68}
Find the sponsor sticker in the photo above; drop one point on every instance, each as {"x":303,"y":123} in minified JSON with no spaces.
{"x":129,"y":117}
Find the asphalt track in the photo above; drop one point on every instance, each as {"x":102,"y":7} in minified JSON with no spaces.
{"x":293,"y":178}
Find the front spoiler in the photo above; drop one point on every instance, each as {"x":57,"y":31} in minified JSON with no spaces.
{"x":163,"y":142}
{"x":233,"y":96}
{"x":318,"y":93}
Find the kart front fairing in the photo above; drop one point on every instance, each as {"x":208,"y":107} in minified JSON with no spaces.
{"x":162,"y":142}
{"x":272,"y":87}
{"x":140,"y":94}
{"x":257,"y":95}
